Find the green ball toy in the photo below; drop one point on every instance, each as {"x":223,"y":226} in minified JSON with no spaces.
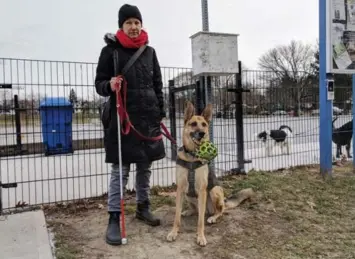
{"x":207,"y":151}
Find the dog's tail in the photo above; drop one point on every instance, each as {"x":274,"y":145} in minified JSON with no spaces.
{"x":334,"y":121}
{"x":237,"y":199}
{"x":286,"y":129}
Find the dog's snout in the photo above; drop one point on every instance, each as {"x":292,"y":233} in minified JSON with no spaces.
{"x":201,"y":134}
{"x":198,"y":135}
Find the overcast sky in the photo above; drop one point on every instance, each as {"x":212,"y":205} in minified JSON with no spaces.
{"x":73,"y":29}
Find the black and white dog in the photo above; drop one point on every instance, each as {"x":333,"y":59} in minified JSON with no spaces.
{"x":272,"y":138}
{"x":342,"y":137}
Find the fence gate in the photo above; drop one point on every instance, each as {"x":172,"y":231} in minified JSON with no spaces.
{"x":177,"y":98}
{"x":13,"y":184}
{"x":195,"y":93}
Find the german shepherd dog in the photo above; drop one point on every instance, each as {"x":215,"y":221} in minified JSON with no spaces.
{"x":207,"y":196}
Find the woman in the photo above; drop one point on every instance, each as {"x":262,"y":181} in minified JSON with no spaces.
{"x":145,"y":107}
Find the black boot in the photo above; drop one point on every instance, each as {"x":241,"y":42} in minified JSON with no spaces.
{"x":143,"y":213}
{"x":113,"y":232}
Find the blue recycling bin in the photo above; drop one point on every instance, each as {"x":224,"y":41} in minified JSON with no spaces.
{"x":56,"y":120}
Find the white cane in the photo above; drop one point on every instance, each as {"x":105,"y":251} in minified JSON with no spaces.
{"x":123,"y":228}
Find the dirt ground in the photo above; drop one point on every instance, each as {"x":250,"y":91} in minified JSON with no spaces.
{"x":297,"y":214}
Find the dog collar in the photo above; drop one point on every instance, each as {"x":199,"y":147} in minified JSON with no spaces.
{"x":183,"y":148}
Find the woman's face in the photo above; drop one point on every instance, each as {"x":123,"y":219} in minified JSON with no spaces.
{"x":132,"y":27}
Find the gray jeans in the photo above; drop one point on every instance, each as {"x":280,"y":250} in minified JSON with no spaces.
{"x":142,"y":184}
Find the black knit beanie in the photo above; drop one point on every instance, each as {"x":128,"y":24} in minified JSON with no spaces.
{"x":126,"y":12}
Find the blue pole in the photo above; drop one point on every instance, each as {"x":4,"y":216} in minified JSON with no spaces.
{"x":352,"y":116}
{"x":325,"y":123}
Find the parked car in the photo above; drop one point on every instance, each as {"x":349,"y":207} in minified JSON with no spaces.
{"x":279,"y":113}
{"x":336,"y":111}
{"x":265,"y":113}
{"x":219,"y":114}
{"x":292,"y":113}
{"x":229,"y":114}
{"x":315,"y":112}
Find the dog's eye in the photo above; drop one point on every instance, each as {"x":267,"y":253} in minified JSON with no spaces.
{"x":193,"y":124}
{"x":204,"y":124}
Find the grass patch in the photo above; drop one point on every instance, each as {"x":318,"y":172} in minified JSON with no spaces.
{"x":317,"y":215}
{"x":63,"y":248}
{"x":297,"y":214}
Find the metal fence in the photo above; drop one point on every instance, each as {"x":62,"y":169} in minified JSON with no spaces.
{"x":270,"y":102}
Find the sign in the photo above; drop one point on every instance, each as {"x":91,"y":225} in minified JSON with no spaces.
{"x":5,"y":86}
{"x":341,"y":36}
{"x":330,"y":89}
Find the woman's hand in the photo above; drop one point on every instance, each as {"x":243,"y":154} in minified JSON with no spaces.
{"x":115,"y":84}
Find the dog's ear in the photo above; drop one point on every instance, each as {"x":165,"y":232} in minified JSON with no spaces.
{"x":207,"y":112}
{"x":189,"y":111}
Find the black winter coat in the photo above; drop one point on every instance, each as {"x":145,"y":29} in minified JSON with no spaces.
{"x":145,"y":104}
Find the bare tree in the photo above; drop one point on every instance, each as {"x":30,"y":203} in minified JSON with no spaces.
{"x":222,"y":99}
{"x":288,"y":59}
{"x":183,"y":79}
{"x":289,"y":73}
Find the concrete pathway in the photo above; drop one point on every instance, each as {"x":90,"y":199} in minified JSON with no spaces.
{"x":24,"y":235}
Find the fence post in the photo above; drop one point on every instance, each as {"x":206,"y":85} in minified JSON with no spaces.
{"x":17,"y":123}
{"x":199,"y":101}
{"x":352,"y":116}
{"x":203,"y":96}
{"x":239,"y":90}
{"x":325,"y":105}
{"x":172,"y":118}
{"x":5,"y":186}
{"x":209,"y":99}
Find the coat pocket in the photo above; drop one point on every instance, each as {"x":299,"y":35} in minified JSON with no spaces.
{"x":155,"y":149}
{"x":106,"y":114}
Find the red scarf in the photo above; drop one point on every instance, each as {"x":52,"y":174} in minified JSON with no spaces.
{"x":132,"y":43}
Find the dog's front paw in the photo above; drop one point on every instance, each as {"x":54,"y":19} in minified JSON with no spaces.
{"x":201,"y":240}
{"x":172,"y":236}
{"x":212,"y":220}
